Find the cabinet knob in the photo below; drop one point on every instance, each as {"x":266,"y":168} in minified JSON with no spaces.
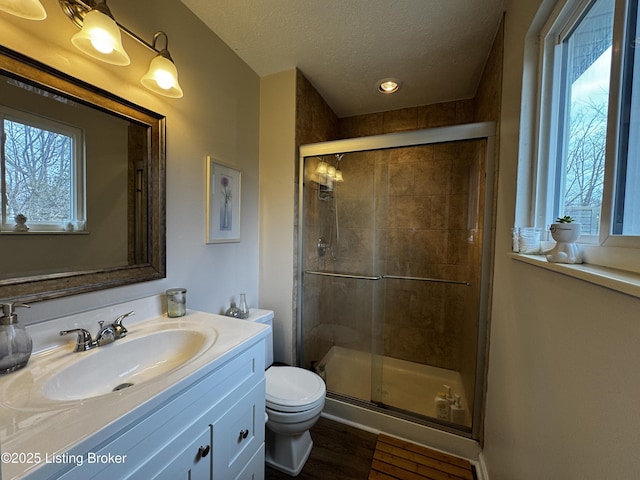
{"x":243,"y":434}
{"x":204,"y":451}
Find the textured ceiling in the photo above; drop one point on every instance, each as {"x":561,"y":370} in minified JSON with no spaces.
{"x":436,"y":48}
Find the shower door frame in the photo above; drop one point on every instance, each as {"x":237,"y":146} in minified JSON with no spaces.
{"x":469,"y":131}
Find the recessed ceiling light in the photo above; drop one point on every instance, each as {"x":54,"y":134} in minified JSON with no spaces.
{"x":388,"y":85}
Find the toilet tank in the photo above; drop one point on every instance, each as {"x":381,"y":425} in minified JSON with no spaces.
{"x":265,"y":317}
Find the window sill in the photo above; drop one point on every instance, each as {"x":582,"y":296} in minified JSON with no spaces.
{"x":46,"y":232}
{"x":619,"y":280}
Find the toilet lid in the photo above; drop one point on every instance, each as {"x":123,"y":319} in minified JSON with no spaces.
{"x":293,"y":387}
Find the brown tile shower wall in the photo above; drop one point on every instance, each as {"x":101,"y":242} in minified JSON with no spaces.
{"x":407,"y":119}
{"x":431,"y":232}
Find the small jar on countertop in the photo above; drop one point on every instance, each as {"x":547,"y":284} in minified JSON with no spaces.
{"x":176,"y":302}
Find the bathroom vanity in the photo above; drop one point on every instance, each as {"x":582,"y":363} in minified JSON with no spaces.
{"x":189,"y":402}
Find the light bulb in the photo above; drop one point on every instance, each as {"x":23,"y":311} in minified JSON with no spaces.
{"x":164,"y":79}
{"x":322,"y":168}
{"x":388,"y":85}
{"x":102,"y":41}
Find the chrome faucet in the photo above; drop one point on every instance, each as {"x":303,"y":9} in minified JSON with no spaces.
{"x":106,"y":335}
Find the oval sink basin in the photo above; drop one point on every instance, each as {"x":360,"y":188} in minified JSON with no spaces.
{"x":124,"y":364}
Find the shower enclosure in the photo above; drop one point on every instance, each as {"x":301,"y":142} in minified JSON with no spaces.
{"x":393,"y":271}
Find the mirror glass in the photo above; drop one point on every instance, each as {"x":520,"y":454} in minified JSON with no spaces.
{"x":81,"y":183}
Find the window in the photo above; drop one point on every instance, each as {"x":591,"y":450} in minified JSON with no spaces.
{"x":588,"y":163}
{"x":626,"y":217}
{"x":41,"y":173}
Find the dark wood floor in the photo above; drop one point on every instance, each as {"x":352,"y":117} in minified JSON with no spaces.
{"x":339,"y":452}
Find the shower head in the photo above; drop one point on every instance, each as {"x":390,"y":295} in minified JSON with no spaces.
{"x":338,"y":176}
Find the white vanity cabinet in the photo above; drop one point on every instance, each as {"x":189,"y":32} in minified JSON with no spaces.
{"x":211,"y":429}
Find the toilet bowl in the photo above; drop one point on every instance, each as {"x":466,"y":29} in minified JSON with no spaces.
{"x":294,"y":401}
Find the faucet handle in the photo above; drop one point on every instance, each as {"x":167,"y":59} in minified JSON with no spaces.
{"x":119,"y":328}
{"x":122,"y":317}
{"x":84,"y":341}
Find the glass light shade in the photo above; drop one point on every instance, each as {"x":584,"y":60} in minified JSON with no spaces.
{"x":331,"y":171}
{"x":29,"y":9}
{"x":321,"y":169}
{"x":100,"y":38}
{"x":162,"y":77}
{"x":338,"y":176}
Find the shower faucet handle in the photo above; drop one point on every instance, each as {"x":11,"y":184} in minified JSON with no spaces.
{"x":322,"y":246}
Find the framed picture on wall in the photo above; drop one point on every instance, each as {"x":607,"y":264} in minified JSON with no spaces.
{"x":224,"y":189}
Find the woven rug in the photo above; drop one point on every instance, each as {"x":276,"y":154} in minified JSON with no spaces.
{"x":396,"y":459}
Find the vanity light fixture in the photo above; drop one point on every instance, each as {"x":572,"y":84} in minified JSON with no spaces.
{"x":29,"y":9}
{"x":328,"y":172}
{"x":100,"y":38}
{"x":388,"y":86}
{"x":327,"y":176}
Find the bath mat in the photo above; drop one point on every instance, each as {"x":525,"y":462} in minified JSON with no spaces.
{"x":396,"y":459}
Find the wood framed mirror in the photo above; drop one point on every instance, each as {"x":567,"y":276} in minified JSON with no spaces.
{"x":114,"y":233}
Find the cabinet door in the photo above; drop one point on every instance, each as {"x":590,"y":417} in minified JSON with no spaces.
{"x":255,"y":468}
{"x":191,"y":463}
{"x":239,"y":434}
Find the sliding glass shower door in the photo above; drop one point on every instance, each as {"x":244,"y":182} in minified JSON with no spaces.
{"x":392,"y":249}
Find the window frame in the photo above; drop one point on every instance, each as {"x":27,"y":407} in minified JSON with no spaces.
{"x":78,"y":178}
{"x":600,"y":249}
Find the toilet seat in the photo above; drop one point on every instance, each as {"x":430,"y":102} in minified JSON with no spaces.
{"x":293,"y":389}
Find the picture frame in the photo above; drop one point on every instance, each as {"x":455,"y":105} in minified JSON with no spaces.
{"x":224,"y":192}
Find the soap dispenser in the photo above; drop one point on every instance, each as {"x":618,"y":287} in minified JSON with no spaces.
{"x":15,"y":342}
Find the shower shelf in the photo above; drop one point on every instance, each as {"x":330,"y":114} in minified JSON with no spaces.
{"x":380,"y":277}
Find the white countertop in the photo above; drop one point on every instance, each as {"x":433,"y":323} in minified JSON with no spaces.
{"x":33,"y":428}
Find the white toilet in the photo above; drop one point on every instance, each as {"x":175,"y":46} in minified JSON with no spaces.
{"x":294,"y":402}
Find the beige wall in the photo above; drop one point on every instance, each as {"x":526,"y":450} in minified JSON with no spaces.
{"x":563,"y":380}
{"x":218,"y":116}
{"x":277,"y":193}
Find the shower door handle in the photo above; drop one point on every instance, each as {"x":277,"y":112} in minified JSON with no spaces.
{"x":426,"y":279}
{"x":344,"y":275}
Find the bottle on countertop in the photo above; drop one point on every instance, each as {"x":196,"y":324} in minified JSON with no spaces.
{"x":448,"y":396}
{"x":15,"y":342}
{"x":233,"y":311}
{"x":244,"y":306}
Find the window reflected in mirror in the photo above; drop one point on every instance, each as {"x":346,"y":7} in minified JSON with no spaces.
{"x":81,"y":185}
